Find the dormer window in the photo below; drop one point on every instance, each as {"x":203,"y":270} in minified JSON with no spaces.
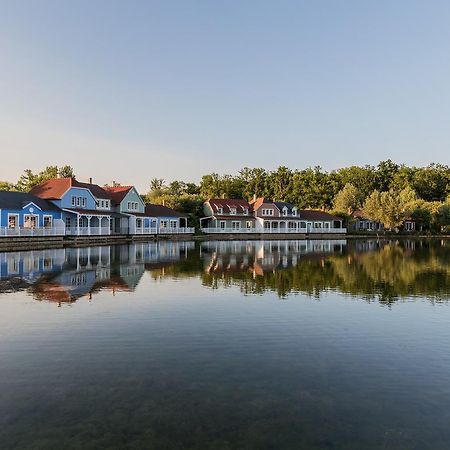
{"x":285,"y":211}
{"x":294,"y":211}
{"x":233,"y":211}
{"x":219,"y":210}
{"x":245,"y":211}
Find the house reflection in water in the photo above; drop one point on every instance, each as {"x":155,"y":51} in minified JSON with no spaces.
{"x":258,"y":257}
{"x":65,"y":275}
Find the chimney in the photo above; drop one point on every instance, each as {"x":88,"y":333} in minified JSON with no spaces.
{"x":90,"y":180}
{"x":254,"y":197}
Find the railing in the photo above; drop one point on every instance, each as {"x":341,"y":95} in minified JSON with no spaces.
{"x":31,"y":232}
{"x":182,"y":230}
{"x":276,"y":230}
{"x":151,"y":230}
{"x":88,"y":231}
{"x":229,"y":230}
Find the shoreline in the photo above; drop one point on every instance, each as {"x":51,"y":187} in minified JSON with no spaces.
{"x":51,"y":242}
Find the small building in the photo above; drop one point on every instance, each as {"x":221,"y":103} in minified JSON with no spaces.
{"x":25,"y":214}
{"x":166,"y":220}
{"x":321,"y":222}
{"x":359,"y":222}
{"x":226,"y":215}
{"x":409,"y":225}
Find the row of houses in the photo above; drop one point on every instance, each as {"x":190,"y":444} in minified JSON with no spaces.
{"x":66,"y":206}
{"x":263,"y":215}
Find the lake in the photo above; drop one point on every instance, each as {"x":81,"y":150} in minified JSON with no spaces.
{"x":227,"y":345}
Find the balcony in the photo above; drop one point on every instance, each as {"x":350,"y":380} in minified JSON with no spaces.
{"x":31,"y":232}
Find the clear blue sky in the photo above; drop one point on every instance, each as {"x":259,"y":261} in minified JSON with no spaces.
{"x":132,"y":90}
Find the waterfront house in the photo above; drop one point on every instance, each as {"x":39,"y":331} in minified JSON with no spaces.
{"x":224,"y":215}
{"x":360,"y":222}
{"x":276,"y":217}
{"x":409,"y":224}
{"x":321,"y":222}
{"x":129,"y":210}
{"x":167,"y":220}
{"x":24,"y":214}
{"x":86,"y":207}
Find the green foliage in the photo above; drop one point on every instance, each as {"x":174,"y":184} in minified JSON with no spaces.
{"x":347,"y":199}
{"x":29,"y":179}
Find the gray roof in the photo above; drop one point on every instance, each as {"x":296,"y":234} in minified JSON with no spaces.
{"x":281,"y":205}
{"x":17,"y":200}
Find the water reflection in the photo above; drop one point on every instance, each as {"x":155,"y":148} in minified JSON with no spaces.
{"x":369,"y":269}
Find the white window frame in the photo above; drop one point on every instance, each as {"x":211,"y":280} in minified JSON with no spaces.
{"x":222,"y":224}
{"x":74,"y":200}
{"x":47,"y":216}
{"x":285,"y":211}
{"x":233,"y":211}
{"x":30,"y":216}
{"x":220,"y":210}
{"x":236,"y":225}
{"x":17,"y":220}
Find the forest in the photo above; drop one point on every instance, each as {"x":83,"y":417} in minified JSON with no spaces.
{"x":388,"y":192}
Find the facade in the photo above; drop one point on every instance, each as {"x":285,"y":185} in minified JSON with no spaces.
{"x":262,"y":215}
{"x":228,"y":216}
{"x":359,"y":222}
{"x":86,"y":207}
{"x":166,"y":220}
{"x":276,"y":217}
{"x":129,"y":209}
{"x":409,"y":224}
{"x":23,"y":214}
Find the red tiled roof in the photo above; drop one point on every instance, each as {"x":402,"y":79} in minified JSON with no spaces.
{"x":118,"y":193}
{"x":227,"y":203}
{"x":312,"y":214}
{"x":55,"y":188}
{"x":260,"y":201}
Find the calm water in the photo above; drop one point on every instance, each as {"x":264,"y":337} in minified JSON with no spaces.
{"x":227,"y":345}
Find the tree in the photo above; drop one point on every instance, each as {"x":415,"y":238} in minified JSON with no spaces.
{"x":6,"y":186}
{"x":66,"y":172}
{"x":385,"y":207}
{"x":347,"y":199}
{"x":373,"y":208}
{"x":29,"y":179}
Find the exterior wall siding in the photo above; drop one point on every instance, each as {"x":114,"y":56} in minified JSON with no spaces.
{"x":30,"y":209}
{"x":132,"y":196}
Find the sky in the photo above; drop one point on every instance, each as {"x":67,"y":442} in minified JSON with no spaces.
{"x":133,"y":90}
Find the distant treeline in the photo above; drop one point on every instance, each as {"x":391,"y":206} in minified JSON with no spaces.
{"x":387,"y":192}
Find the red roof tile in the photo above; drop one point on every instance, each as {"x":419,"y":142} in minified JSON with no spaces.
{"x":312,"y":214}
{"x":55,"y":188}
{"x":118,"y":193}
{"x":227,"y":203}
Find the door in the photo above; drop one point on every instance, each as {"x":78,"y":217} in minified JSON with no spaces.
{"x":30,"y":221}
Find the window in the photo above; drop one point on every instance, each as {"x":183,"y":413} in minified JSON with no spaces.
{"x":174,"y":224}
{"x":220,"y":210}
{"x":302,"y":224}
{"x":285,"y":211}
{"x":129,"y":205}
{"x":294,"y":211}
{"x":83,"y":202}
{"x":248,"y":224}
{"x":317,"y":225}
{"x":67,"y":222}
{"x":236,"y":225}
{"x":13,"y":221}
{"x":223,"y":224}
{"x":74,"y":201}
{"x":233,"y":211}
{"x":30,"y":221}
{"x":245,"y":211}
{"x":48,"y":221}
{"x":78,"y":201}
{"x":267,"y":212}
{"x":163,"y":224}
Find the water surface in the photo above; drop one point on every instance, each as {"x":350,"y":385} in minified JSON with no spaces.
{"x":227,"y":345}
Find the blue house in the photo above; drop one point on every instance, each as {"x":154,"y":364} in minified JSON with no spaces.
{"x":86,"y":207}
{"x":23,"y":213}
{"x":166,"y":220}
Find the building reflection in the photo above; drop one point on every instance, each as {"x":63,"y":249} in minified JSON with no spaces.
{"x":369,"y":269}
{"x":66,"y":275}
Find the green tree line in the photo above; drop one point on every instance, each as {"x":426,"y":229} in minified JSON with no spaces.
{"x":388,"y":192}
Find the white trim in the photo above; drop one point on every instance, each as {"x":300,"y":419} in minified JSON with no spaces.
{"x":32,"y":203}
{"x":31,"y":215}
